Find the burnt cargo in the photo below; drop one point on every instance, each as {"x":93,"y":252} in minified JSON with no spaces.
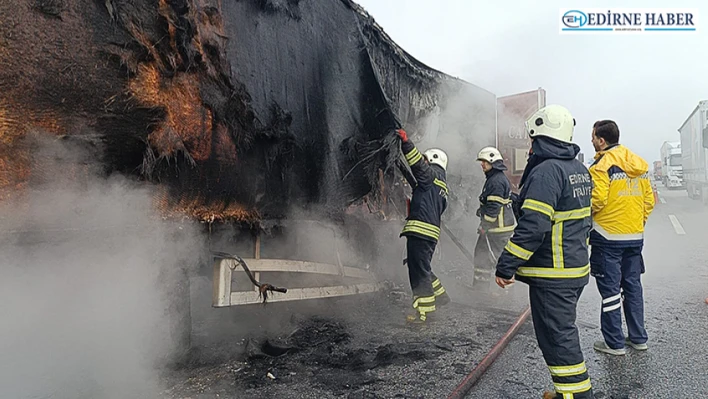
{"x":237,"y":111}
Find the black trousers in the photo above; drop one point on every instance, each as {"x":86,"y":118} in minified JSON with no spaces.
{"x":485,"y":261}
{"x":424,"y":283}
{"x":554,"y":311}
{"x":420,"y":254}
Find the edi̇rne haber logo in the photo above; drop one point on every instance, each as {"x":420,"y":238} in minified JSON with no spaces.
{"x":628,"y":20}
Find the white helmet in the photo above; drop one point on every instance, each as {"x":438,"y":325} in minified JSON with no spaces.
{"x":436,"y":156}
{"x":553,"y":121}
{"x":489,"y":154}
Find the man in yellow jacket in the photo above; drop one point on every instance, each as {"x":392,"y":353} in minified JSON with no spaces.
{"x":622,"y":199}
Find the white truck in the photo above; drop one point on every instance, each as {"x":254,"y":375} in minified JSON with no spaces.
{"x":694,"y":144}
{"x":671,"y":169}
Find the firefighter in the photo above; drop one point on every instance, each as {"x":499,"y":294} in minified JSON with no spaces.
{"x":422,"y":227}
{"x":549,"y":247}
{"x":496,"y":215}
{"x":622,"y":201}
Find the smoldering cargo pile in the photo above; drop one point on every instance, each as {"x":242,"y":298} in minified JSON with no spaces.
{"x":239,"y":110}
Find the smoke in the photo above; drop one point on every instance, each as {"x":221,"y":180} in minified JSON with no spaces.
{"x":93,"y":293}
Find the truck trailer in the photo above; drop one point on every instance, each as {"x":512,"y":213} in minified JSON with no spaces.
{"x":694,"y":141}
{"x":671,"y":169}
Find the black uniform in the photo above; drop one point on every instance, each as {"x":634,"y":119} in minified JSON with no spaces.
{"x":549,"y":252}
{"x":422,"y":229}
{"x":496,"y":225}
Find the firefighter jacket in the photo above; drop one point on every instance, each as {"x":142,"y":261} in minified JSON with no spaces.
{"x":622,"y":197}
{"x":429,"y":199}
{"x":549,"y":246}
{"x":495,"y":211}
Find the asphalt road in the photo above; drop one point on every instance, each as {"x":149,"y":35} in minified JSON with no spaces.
{"x":676,"y":258}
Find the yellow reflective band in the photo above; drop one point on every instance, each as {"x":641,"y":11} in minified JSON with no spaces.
{"x":424,"y":304}
{"x":574,"y":214}
{"x":413,"y":156}
{"x":568,"y":396}
{"x":440,"y":291}
{"x":501,"y":217}
{"x":502,"y":229}
{"x":547,"y":272}
{"x":538,"y":206}
{"x":436,"y":283}
{"x":567,"y":371}
{"x":440,"y":184}
{"x":496,"y":198}
{"x":578,"y":387}
{"x":426,"y":229}
{"x":557,"y":245}
{"x":518,"y":251}
{"x":489,"y":218}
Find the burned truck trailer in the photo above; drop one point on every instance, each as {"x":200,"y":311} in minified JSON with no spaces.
{"x":240,"y":113}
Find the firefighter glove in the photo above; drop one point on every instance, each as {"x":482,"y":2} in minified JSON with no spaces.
{"x":402,"y":134}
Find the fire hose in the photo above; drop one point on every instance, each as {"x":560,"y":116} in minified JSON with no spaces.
{"x":474,"y":376}
{"x":263,"y":288}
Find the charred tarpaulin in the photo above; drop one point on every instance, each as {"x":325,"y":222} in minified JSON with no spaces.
{"x":239,"y":110}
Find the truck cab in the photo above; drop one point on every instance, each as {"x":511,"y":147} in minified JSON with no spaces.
{"x":671,"y":165}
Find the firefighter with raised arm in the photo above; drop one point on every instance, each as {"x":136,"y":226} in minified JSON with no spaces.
{"x":549,"y":247}
{"x":422,"y":227}
{"x":496,"y":215}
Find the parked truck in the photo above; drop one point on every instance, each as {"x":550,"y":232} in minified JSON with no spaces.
{"x":671,"y":169}
{"x":657,"y":170}
{"x":694,"y":141}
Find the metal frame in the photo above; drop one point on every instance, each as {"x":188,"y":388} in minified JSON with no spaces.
{"x":224,"y":269}
{"x":223,"y":296}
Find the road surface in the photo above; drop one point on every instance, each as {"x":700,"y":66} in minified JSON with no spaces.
{"x":675,"y":283}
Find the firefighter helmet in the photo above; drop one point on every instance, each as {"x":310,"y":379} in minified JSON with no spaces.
{"x":552,"y":121}
{"x":489,"y":154}
{"x":436,"y":156}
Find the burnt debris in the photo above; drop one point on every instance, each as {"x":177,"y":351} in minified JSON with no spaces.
{"x":238,"y":111}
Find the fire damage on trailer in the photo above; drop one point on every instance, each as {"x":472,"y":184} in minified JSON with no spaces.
{"x":257,"y":118}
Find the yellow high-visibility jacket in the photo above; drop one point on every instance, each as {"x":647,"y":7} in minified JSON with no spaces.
{"x":622,"y":197}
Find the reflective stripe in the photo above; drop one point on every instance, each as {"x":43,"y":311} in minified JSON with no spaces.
{"x":502,"y":229}
{"x":438,"y":287}
{"x":557,"y":246}
{"x":424,"y":304}
{"x":574,"y":214}
{"x":611,"y":308}
{"x":612,"y":298}
{"x":440,"y":184}
{"x":518,"y":251}
{"x":426,"y":229}
{"x":547,"y":272}
{"x":413,"y":156}
{"x":568,"y":396}
{"x":567,"y":371}
{"x":616,"y":237}
{"x":538,"y":206}
{"x":577,"y":387}
{"x":439,"y":291}
{"x":496,"y":198}
{"x":489,"y":218}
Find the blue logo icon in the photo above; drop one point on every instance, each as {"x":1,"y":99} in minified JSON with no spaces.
{"x":575,"y":19}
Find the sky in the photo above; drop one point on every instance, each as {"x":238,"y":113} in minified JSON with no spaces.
{"x":649,"y":83}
